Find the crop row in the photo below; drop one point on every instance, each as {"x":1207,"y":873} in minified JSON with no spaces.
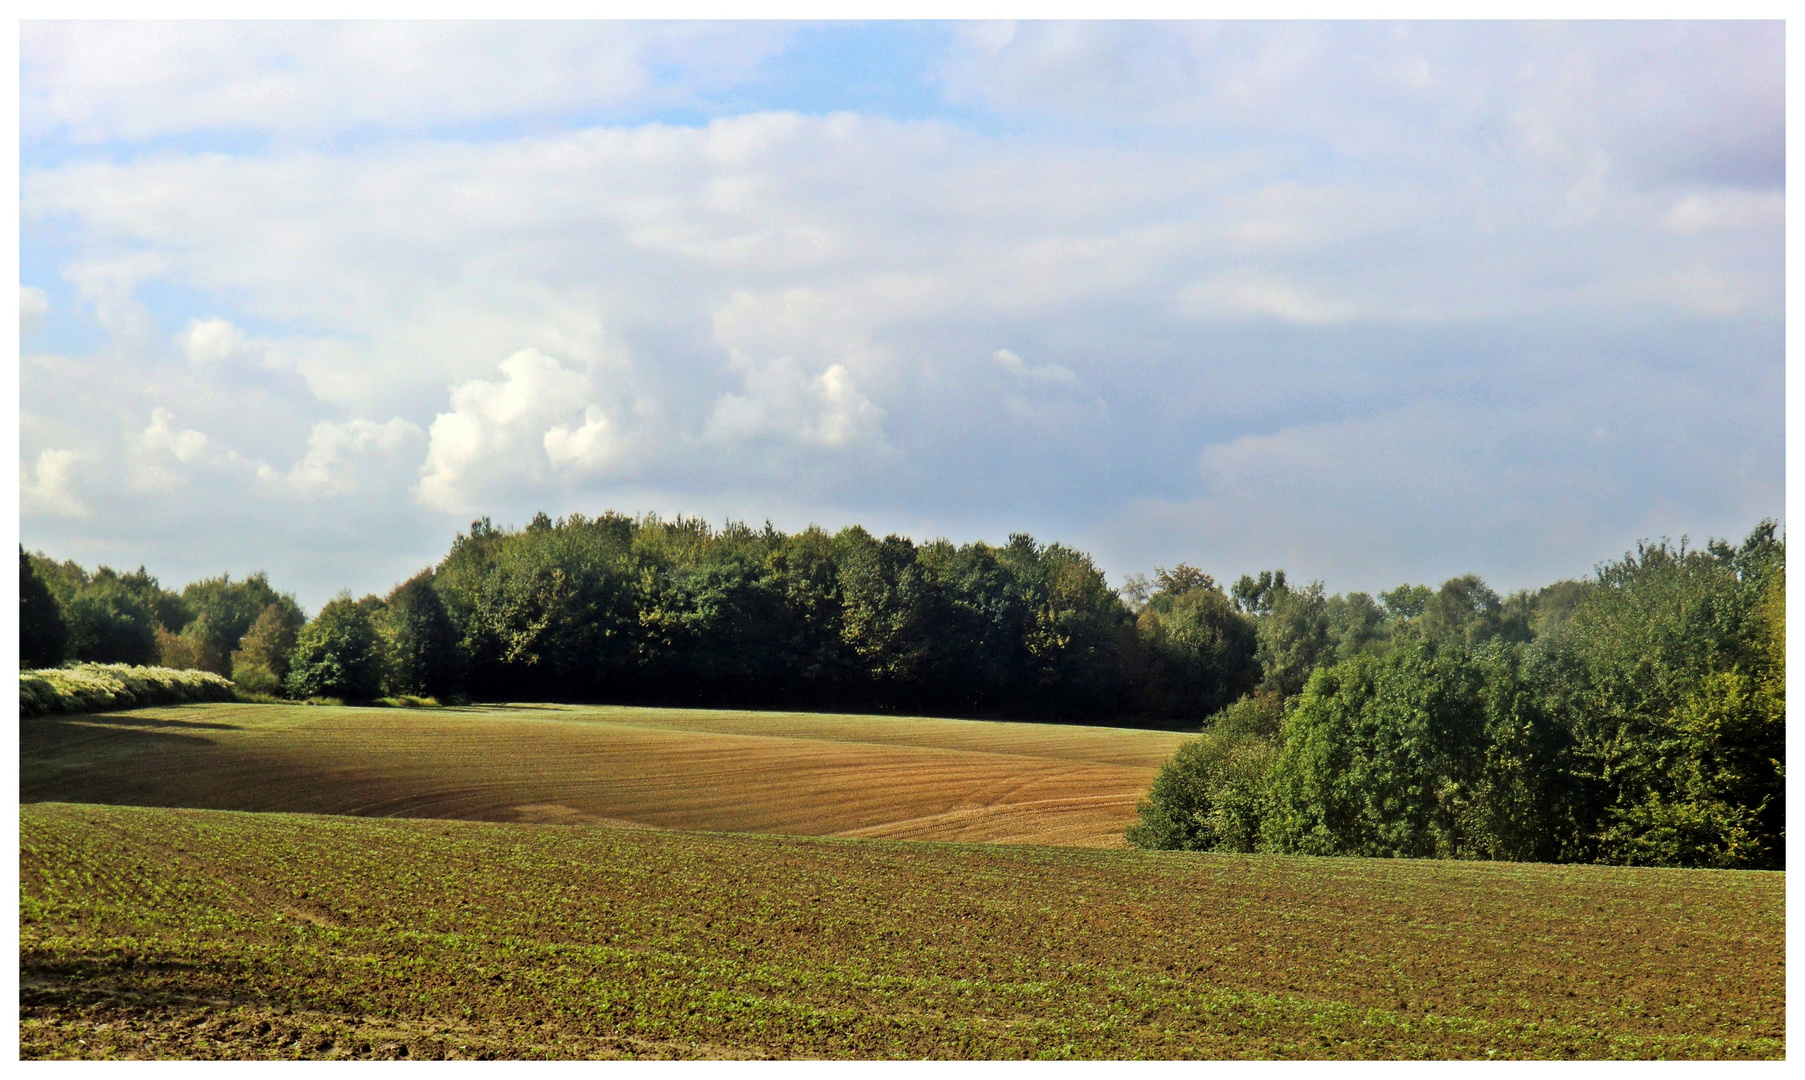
{"x":476,"y":939}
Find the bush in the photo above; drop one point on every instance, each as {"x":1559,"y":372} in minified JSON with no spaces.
{"x":1211,"y":796}
{"x":86,"y":688}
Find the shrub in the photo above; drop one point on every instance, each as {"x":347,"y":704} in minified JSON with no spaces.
{"x":1211,"y":796}
{"x":95,"y":687}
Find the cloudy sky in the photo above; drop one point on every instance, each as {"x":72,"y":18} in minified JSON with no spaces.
{"x":1370,"y":302}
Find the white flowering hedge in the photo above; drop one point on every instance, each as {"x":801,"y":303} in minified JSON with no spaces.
{"x":94,"y":687}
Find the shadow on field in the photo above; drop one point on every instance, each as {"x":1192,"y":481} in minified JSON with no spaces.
{"x":130,"y":721}
{"x":68,"y":741}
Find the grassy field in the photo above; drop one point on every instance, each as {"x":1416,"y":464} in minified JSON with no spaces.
{"x":157,"y":932}
{"x":796,"y":773}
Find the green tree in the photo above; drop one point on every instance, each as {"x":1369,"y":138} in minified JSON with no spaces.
{"x":1430,"y":750}
{"x":1194,"y":650}
{"x":110,"y":622}
{"x":1674,"y":686}
{"x":43,"y":635}
{"x":260,"y":663}
{"x":337,"y":654}
{"x":1292,"y":635}
{"x":421,"y":643}
{"x":220,"y":613}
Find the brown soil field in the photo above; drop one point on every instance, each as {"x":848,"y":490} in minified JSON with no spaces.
{"x":813,"y":774}
{"x":187,"y":933}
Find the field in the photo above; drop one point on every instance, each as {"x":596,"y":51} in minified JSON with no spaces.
{"x":798,"y":773}
{"x":618,"y":888}
{"x":205,"y":933}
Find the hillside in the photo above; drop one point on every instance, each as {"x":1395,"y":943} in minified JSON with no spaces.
{"x":818,"y":774}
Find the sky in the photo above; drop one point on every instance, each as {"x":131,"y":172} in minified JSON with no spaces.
{"x":1368,"y":302}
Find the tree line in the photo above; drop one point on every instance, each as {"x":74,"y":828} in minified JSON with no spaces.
{"x":1633,"y":717}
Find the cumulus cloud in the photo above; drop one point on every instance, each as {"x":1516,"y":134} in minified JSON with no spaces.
{"x":506,"y":431}
{"x":346,"y":458}
{"x":160,"y":448}
{"x":47,"y":485}
{"x":206,"y":342}
{"x":586,"y":445}
{"x":161,"y":437}
{"x":783,"y":402}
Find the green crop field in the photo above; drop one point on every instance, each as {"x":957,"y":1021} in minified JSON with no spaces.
{"x":593,"y":903}
{"x":157,"y":932}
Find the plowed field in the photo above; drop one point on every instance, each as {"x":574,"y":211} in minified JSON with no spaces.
{"x":814,"y":774}
{"x":155,"y":932}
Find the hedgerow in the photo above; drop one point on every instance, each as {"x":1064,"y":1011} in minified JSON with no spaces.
{"x":86,"y":688}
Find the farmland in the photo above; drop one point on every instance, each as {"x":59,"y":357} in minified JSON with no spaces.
{"x":799,"y":773}
{"x":158,"y":932}
{"x":266,"y":881}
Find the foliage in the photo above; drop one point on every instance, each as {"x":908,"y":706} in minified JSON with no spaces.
{"x":1430,"y":750}
{"x":111,"y":617}
{"x":261,"y":661}
{"x":85,"y":688}
{"x":1193,"y":650}
{"x":220,"y":612}
{"x":43,"y":636}
{"x":337,"y":654}
{"x":1293,"y":635}
{"x":1636,"y":718}
{"x":644,"y":609}
{"x":1675,"y":684}
{"x":419,"y":641}
{"x":1211,"y":796}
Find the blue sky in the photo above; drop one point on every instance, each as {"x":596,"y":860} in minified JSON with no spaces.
{"x":1370,"y":302}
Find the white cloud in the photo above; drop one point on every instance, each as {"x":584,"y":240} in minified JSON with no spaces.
{"x":350,"y":457}
{"x":1019,"y":368}
{"x":1656,"y":102}
{"x":1250,"y":295}
{"x":161,"y":436}
{"x":586,"y":446}
{"x":95,"y":81}
{"x":206,"y":342}
{"x":34,"y":304}
{"x":1702,"y":211}
{"x":1204,"y":231}
{"x":159,"y":449}
{"x":783,"y":402}
{"x":47,"y":486}
{"x":505,"y":431}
